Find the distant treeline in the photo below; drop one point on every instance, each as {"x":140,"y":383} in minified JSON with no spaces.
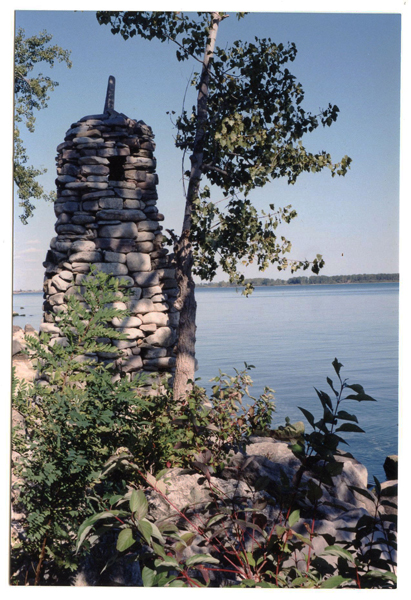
{"x":313,"y":280}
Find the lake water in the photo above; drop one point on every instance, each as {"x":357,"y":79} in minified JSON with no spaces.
{"x":292,"y":335}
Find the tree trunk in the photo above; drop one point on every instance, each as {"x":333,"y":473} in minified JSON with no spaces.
{"x":185,"y":364}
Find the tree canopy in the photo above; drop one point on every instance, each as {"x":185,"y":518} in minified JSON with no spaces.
{"x":255,"y":122}
{"x":31,"y":93}
{"x":245,"y":130}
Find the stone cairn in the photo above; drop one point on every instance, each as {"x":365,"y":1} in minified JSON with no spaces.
{"x":107,"y":216}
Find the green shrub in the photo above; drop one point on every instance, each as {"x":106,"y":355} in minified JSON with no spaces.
{"x":75,"y":417}
{"x":176,"y":432}
{"x":238,"y":540}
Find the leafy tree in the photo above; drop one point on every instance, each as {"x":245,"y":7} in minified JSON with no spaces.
{"x":31,"y":93}
{"x":245,"y":129}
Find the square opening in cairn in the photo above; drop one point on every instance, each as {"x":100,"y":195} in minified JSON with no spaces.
{"x":116,"y":165}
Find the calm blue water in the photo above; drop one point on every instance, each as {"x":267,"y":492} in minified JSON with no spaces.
{"x":291,"y":335}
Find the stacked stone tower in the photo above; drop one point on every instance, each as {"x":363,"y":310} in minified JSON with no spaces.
{"x":107,"y":216}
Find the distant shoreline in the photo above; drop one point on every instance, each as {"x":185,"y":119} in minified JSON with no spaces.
{"x":312,"y":280}
{"x":293,"y":281}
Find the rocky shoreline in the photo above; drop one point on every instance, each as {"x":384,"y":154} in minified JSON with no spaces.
{"x":263,"y":457}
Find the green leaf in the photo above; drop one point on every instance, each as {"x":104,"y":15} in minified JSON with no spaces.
{"x":201,"y":558}
{"x":342,"y":414}
{"x":138,"y":504}
{"x":148,"y":576}
{"x":145,"y":529}
{"x":381,"y":575}
{"x":350,"y":427}
{"x":333,"y":582}
{"x":294,"y":517}
{"x":338,"y":551}
{"x":356,"y":387}
{"x":337,"y":366}
{"x":308,"y":416}
{"x":361,"y":398}
{"x":125,"y":539}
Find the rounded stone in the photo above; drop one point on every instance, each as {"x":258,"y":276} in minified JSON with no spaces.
{"x":157,"y":318}
{"x":145,"y":305}
{"x":126,"y":322}
{"x":164,"y":336}
{"x":138,"y":261}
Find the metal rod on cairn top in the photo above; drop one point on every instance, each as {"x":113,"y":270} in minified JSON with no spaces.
{"x":111,"y":86}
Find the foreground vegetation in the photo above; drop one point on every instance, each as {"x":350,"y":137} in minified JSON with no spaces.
{"x":91,"y":453}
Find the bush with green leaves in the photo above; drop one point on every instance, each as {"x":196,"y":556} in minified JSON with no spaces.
{"x":257,"y":545}
{"x":177,"y":431}
{"x":75,"y":415}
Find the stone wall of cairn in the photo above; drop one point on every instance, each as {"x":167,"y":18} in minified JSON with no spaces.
{"x":107,"y":216}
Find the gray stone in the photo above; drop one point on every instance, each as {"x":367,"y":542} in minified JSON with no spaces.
{"x":17,"y":347}
{"x":60,"y":341}
{"x":56,"y":299}
{"x":119,"y":305}
{"x":80,"y":267}
{"x":144,"y":247}
{"x":91,"y":205}
{"x":115,"y":244}
{"x":152,"y":291}
{"x":82,"y":219}
{"x":60,"y":284}
{"x":112,"y":268}
{"x":164,"y":336}
{"x":144,"y":236}
{"x":122,"y":344}
{"x":128,"y":193}
{"x":134,"y":363}
{"x":76,"y":229}
{"x":126,"y":322}
{"x":87,"y":140}
{"x":95,"y":170}
{"x":67,"y":275}
{"x":49,"y":328}
{"x":138,"y":161}
{"x":160,"y":307}
{"x":121,"y":215}
{"x":155,"y":353}
{"x":62,"y":246}
{"x":166,"y":362}
{"x":123,"y":230}
{"x":132,"y":204}
{"x":137,"y":261}
{"x":149,"y":279}
{"x":145,"y":305}
{"x":148,"y":328}
{"x":113,"y":203}
{"x":391,"y":467}
{"x":148,"y":226}
{"x":157,"y":318}
{"x":115,"y":257}
{"x":83,"y":246}
{"x":132,"y":333}
{"x":97,"y":195}
{"x":93,"y":160}
{"x":88,"y":257}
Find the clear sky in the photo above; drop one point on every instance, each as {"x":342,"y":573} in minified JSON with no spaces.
{"x":352,"y":60}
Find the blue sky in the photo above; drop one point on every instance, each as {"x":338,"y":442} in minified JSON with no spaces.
{"x":352,"y":60}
